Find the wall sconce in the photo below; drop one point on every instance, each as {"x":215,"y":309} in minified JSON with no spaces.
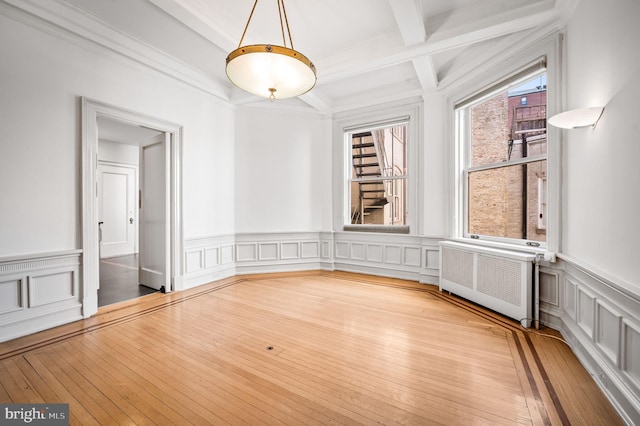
{"x":577,"y":118}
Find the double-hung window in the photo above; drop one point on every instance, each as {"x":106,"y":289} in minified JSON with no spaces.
{"x":377,"y":176}
{"x":502,"y":141}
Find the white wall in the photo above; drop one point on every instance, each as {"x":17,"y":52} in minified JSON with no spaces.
{"x":41,"y":79}
{"x":433,"y":190}
{"x":282,"y":171}
{"x":118,"y":153}
{"x":601,"y":207}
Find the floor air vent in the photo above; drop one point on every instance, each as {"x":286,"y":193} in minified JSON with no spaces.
{"x":500,"y":280}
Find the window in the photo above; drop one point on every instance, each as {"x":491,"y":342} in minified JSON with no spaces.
{"x":502,"y":137}
{"x":377,"y":179}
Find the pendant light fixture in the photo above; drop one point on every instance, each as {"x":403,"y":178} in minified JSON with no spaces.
{"x":271,"y":71}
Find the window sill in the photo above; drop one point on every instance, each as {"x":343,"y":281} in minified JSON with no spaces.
{"x":543,"y":251}
{"x":382,"y":229}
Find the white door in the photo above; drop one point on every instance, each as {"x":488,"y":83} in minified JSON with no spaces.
{"x":154,"y":214}
{"x":117,"y":210}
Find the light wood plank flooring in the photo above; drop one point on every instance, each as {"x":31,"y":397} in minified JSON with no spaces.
{"x":305,"y":348}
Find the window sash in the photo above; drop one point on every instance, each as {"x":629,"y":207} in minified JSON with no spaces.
{"x":463,"y":134}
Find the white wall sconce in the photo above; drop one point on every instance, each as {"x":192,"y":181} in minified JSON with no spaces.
{"x":577,"y":118}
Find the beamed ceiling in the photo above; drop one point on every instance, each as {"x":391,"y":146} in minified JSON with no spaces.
{"x":365,"y":51}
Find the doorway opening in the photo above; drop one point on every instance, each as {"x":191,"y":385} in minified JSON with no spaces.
{"x":131,"y":205}
{"x":118,"y":179}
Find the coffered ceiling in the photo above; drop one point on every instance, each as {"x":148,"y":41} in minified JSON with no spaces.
{"x":365,"y":51}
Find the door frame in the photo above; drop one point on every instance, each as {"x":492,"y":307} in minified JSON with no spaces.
{"x":91,"y":110}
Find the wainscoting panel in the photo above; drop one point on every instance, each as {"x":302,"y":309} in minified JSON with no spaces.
{"x":607,"y":334}
{"x":392,"y":255}
{"x":281,"y":252}
{"x":600,"y":319}
{"x":11,"y":295}
{"x":549,"y":286}
{"x":631,"y":355}
{"x":38,"y":292}
{"x":310,"y":249}
{"x":268,"y":251}
{"x":210,"y":258}
{"x":44,"y":289}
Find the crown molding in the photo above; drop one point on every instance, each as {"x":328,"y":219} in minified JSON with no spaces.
{"x":74,"y":25}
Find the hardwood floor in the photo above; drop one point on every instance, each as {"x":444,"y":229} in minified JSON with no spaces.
{"x":304,"y":348}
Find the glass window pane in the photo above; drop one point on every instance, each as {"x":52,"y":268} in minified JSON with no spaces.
{"x":375,"y":155}
{"x":379,"y":202}
{"x":503,"y":128}
{"x":506,"y":202}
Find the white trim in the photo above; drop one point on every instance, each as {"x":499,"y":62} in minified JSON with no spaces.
{"x":68,"y":22}
{"x":47,"y":292}
{"x":90,"y":111}
{"x":551,"y":48}
{"x":411,"y":113}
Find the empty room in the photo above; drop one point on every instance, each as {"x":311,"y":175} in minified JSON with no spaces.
{"x":422,"y":212}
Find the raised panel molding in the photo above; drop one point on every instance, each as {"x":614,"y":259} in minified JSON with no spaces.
{"x":608,"y":330}
{"x":342,"y":250}
{"x":290,"y":250}
{"x":46,"y":288}
{"x":601,"y":323}
{"x":208,"y":259}
{"x":358,"y":251}
{"x":586,"y":311}
{"x":193,"y":261}
{"x":411,"y":256}
{"x":268,"y":251}
{"x":570,"y":292}
{"x":11,"y":295}
{"x":549,"y":288}
{"x":246,"y":252}
{"x":630,"y":361}
{"x":310,"y":249}
{"x":38,"y":292}
{"x":374,"y":253}
{"x":392,"y":254}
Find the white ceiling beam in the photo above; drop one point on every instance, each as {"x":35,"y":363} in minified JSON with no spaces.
{"x":434,"y":45}
{"x":408,"y":14}
{"x":426,"y":71}
{"x":313,"y":99}
{"x":186,"y":12}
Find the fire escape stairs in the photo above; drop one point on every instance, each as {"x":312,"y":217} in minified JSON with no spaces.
{"x":366,"y":164}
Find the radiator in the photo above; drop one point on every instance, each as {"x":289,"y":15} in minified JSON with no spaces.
{"x":500,"y":280}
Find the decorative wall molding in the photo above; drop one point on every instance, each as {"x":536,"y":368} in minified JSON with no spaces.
{"x":278,"y":252}
{"x":393,"y":255}
{"x":39,"y":292}
{"x":70,"y":23}
{"x":208,"y":259}
{"x":601,"y":322}
{"x":399,"y":256}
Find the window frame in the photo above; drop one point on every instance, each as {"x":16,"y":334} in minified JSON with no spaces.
{"x":352,"y":122}
{"x":481,"y":87}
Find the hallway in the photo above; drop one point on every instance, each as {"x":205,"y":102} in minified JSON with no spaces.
{"x":119,"y":280}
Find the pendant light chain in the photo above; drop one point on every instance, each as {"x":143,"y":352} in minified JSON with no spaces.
{"x":247,"y":26}
{"x":281,"y":12}
{"x":284,"y":12}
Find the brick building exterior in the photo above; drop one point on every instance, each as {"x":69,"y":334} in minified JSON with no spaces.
{"x":503,"y":128}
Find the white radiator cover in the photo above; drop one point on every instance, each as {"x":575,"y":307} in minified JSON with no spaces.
{"x":500,"y":280}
